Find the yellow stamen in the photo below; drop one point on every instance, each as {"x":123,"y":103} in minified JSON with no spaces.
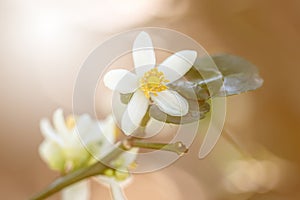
{"x":109,"y":172}
{"x":120,"y":175}
{"x":70,"y":122}
{"x":152,"y":82}
{"x":133,"y":165}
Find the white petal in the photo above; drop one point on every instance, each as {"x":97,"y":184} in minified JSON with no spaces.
{"x":48,"y":132}
{"x":60,"y":124}
{"x":108,"y":127}
{"x":178,"y":64}
{"x":87,"y":129}
{"x":121,"y":80}
{"x":127,"y":158}
{"x":53,"y":155}
{"x":143,"y":53}
{"x":153,"y":128}
{"x":116,"y":188}
{"x":134,"y":113}
{"x":117,"y":191}
{"x":171,"y":102}
{"x":78,"y":191}
{"x":105,"y":149}
{"x":105,"y":180}
{"x":108,"y":130}
{"x":93,"y":137}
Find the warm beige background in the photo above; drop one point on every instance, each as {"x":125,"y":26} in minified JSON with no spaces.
{"x":43,"y":44}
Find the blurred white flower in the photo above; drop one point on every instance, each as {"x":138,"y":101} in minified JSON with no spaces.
{"x":149,"y":83}
{"x":73,"y":142}
{"x":119,"y":178}
{"x":64,"y":146}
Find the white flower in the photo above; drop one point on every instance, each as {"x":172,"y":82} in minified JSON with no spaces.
{"x":119,"y":178}
{"x":149,"y":83}
{"x":65,"y":149}
{"x":64,"y":146}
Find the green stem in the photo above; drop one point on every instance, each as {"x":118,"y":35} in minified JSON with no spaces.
{"x":98,"y":168}
{"x":177,"y":147}
{"x":73,"y":177}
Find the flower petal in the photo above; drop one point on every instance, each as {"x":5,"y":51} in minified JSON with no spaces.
{"x":60,"y":123}
{"x":127,"y":158}
{"x":153,"y":127}
{"x":87,"y":129}
{"x":49,"y":133}
{"x":143,"y":53}
{"x":108,"y":128}
{"x":53,"y":155}
{"x":77,"y":191}
{"x":178,"y":64}
{"x":121,"y":80}
{"x":134,"y":113}
{"x":171,"y":103}
{"x":116,"y":188}
{"x":117,"y":191}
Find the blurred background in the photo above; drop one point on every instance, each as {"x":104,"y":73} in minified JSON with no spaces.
{"x":44,"y":43}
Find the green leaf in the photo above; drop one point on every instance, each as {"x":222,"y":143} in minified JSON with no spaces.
{"x":239,"y":74}
{"x":191,"y":89}
{"x":125,"y":98}
{"x":233,"y":75}
{"x":197,"y":111}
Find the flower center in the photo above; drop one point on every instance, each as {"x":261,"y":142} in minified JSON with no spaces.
{"x":70,"y":122}
{"x":152,"y":82}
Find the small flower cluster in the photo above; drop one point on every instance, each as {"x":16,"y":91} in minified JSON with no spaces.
{"x":72,"y":143}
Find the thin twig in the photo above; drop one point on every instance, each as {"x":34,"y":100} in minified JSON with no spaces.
{"x":177,"y":147}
